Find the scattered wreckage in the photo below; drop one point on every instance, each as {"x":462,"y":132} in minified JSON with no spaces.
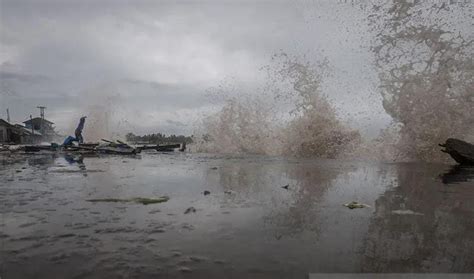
{"x":104,"y":147}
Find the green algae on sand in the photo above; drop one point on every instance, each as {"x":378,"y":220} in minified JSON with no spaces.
{"x":355,"y":204}
{"x":143,"y":201}
{"x":146,"y":201}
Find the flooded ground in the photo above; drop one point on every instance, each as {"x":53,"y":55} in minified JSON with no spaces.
{"x":420,"y":219}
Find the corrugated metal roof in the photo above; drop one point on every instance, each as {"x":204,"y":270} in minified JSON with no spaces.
{"x":5,"y":123}
{"x":37,"y":119}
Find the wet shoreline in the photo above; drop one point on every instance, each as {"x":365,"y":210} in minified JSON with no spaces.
{"x":420,"y":218}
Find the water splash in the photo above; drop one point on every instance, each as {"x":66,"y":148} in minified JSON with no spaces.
{"x":315,"y":130}
{"x":288,"y":116}
{"x":423,"y":52}
{"x":104,"y":114}
{"x":243,"y":125}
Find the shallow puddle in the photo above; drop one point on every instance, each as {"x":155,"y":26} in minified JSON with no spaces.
{"x":251,"y":216}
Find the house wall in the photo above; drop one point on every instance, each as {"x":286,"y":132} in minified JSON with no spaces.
{"x":36,"y":124}
{"x":4,"y":134}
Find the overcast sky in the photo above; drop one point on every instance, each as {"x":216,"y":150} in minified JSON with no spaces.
{"x":147,"y":64}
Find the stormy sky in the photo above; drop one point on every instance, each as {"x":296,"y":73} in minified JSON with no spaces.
{"x":146,"y":66}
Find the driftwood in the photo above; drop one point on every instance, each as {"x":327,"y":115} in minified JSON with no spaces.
{"x":110,"y":147}
{"x":461,"y":151}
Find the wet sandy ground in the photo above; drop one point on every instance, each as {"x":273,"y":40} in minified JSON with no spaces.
{"x":421,"y":217}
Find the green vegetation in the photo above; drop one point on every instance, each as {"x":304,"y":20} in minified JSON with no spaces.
{"x":355,"y":204}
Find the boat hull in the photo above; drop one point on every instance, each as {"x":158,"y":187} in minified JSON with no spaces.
{"x":461,"y":151}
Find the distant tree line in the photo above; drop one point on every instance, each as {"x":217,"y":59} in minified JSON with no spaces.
{"x":158,"y":138}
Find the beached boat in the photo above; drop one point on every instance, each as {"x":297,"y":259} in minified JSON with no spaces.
{"x":118,"y":147}
{"x":164,"y":148}
{"x":461,"y":151}
{"x":106,"y":147}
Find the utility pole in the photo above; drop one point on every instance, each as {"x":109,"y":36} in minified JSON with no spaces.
{"x":8,"y":116}
{"x":42,"y":108}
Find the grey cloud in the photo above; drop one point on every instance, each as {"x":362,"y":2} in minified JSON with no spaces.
{"x":175,"y":123}
{"x":158,"y":57}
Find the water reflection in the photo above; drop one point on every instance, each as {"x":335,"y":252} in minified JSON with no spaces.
{"x":420,"y":227}
{"x":285,"y":212}
{"x":458,"y":174}
{"x":248,"y":221}
{"x":301,"y":211}
{"x":41,"y":160}
{"x":77,"y":160}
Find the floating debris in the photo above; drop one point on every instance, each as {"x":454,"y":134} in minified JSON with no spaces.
{"x":143,"y":201}
{"x":355,"y":204}
{"x":146,"y":201}
{"x":164,"y":148}
{"x":190,"y":210}
{"x":119,"y":147}
{"x":72,"y":171}
{"x":406,"y":212}
{"x":185,"y":269}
